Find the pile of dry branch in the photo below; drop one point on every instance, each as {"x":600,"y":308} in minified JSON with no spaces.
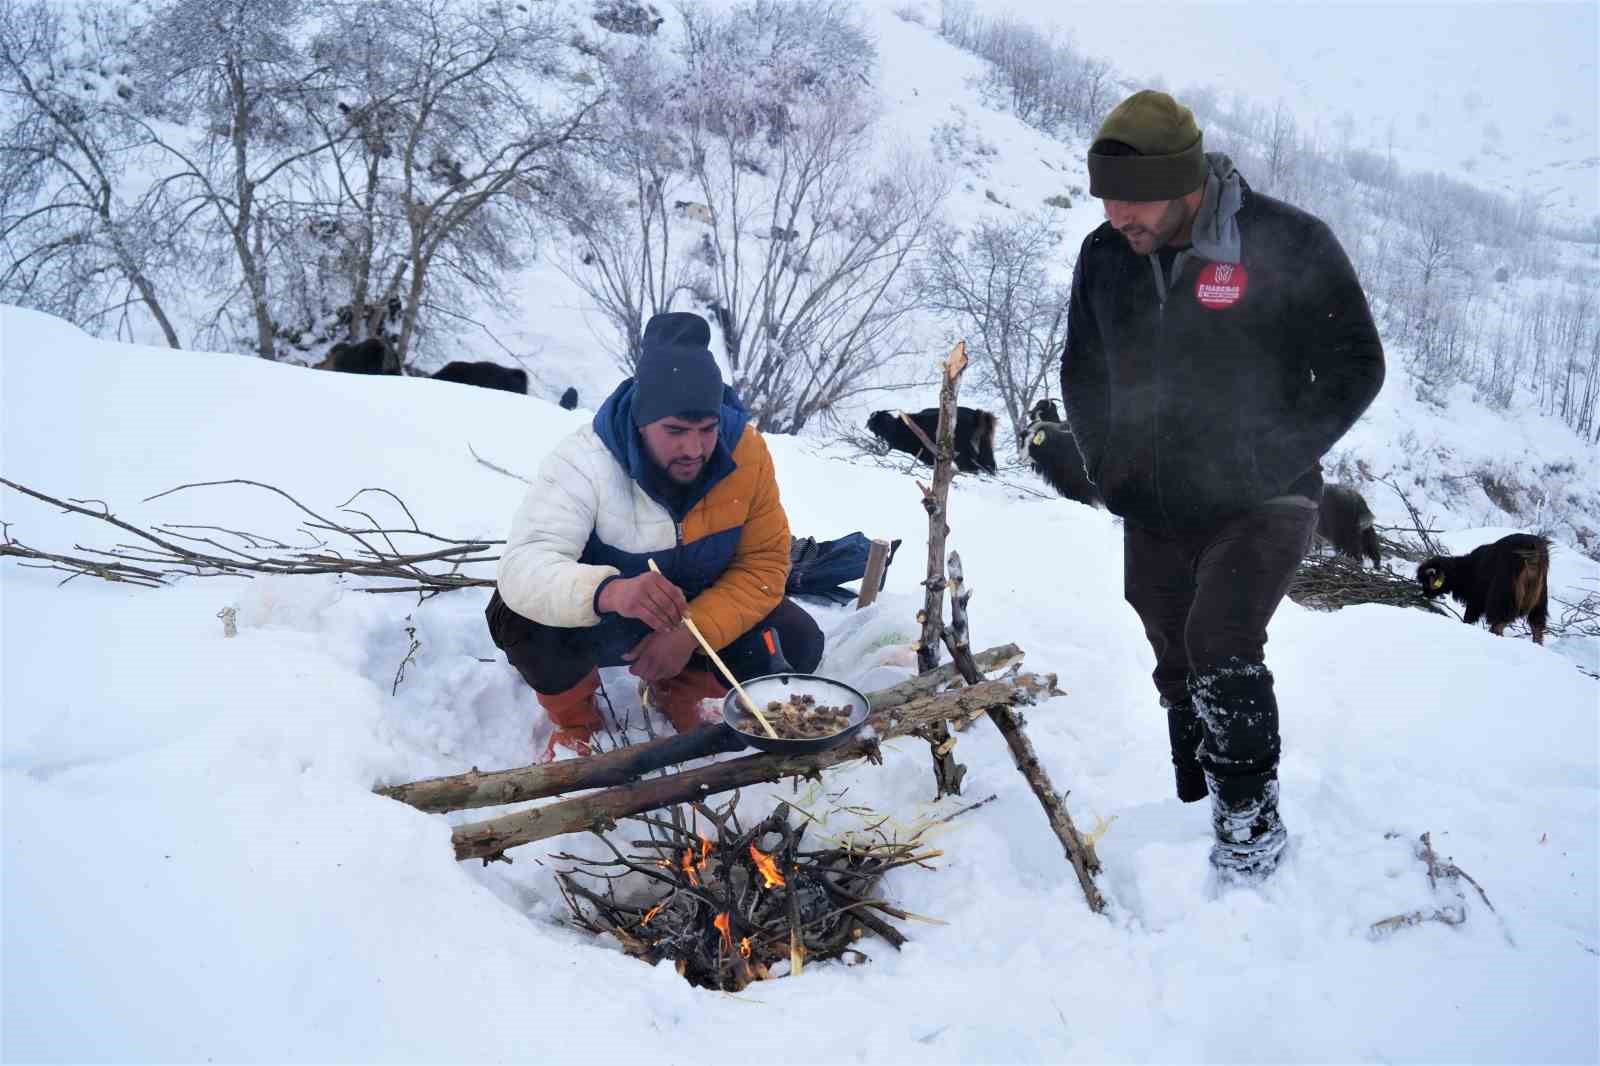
{"x":1328,"y":582}
{"x":739,"y":905}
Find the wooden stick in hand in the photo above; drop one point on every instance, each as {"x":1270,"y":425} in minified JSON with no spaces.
{"x":711,"y":652}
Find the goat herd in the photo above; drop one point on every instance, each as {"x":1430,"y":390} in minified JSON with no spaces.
{"x":375,"y":356}
{"x":1498,"y":582}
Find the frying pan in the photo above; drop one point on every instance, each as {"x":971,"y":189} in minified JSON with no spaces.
{"x":780,"y":685}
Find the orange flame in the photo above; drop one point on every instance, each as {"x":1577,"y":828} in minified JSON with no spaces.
{"x":705,"y":851}
{"x":725,"y":927}
{"x":766,"y":867}
{"x":688,"y":867}
{"x":744,"y":946}
{"x":651,"y":913}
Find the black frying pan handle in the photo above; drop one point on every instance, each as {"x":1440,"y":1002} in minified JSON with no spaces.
{"x":780,"y":665}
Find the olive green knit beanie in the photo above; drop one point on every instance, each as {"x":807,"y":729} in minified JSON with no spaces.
{"x":1167,"y":160}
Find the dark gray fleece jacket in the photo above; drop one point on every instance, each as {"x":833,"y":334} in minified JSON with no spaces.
{"x":1201,"y":392}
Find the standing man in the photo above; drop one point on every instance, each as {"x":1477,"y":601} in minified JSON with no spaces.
{"x":671,"y":470}
{"x":1218,"y":344}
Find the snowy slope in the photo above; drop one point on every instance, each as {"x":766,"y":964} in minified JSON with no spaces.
{"x":931,"y":100}
{"x":1505,"y":96}
{"x":194,"y":866}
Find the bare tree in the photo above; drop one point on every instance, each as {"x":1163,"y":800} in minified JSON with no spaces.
{"x":628,"y":240}
{"x":233,"y":69}
{"x":77,"y":241}
{"x":792,"y":238}
{"x":452,"y":135}
{"x":1278,"y":135}
{"x":994,"y":288}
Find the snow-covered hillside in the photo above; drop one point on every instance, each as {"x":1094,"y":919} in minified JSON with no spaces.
{"x":1461,"y":462}
{"x":194,"y":866}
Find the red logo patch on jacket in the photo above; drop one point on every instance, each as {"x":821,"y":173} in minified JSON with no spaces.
{"x":1221,"y":285}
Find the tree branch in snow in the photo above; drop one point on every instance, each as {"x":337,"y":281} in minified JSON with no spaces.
{"x":1424,"y":534}
{"x":168,"y":552}
{"x":1438,"y":870}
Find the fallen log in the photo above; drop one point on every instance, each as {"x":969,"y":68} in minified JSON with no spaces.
{"x":491,"y":838}
{"x":476,"y":788}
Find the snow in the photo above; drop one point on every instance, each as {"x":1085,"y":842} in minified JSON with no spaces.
{"x":195,"y":866}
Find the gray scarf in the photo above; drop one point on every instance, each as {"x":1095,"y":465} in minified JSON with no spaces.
{"x":1216,"y":232}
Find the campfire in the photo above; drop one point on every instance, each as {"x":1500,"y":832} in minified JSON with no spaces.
{"x":731,"y":905}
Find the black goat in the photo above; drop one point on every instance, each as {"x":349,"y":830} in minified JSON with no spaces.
{"x":974,"y":436}
{"x":371,"y":356}
{"x":1500,"y":582}
{"x":1345,"y":521}
{"x":1054,"y":455}
{"x":485,"y":375}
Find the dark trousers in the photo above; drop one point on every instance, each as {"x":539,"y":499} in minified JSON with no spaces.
{"x":552,"y":660}
{"x":1205,"y":600}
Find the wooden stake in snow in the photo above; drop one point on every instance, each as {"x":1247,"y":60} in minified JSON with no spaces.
{"x":947,"y":772}
{"x":1080,"y":852}
{"x":877,"y":559}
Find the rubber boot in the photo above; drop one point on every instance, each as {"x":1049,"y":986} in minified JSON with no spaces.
{"x":680,"y":697}
{"x":575,"y":714}
{"x":1239,"y":754}
{"x":1184,"y":731}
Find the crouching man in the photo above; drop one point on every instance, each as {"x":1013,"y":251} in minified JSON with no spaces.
{"x":670,"y":470}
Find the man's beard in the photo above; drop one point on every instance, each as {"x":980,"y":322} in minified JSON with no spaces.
{"x":679,"y":473}
{"x":1144,"y":241}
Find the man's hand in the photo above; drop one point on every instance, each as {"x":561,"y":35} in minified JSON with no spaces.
{"x":650,"y":598}
{"x":661,"y":655}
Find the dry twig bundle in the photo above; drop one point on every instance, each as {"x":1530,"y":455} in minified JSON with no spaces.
{"x":1328,"y":582}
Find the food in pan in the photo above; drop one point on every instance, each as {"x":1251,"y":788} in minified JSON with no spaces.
{"x":800,"y":717}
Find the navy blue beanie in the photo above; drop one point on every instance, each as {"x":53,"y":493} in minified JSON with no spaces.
{"x":677,"y":374}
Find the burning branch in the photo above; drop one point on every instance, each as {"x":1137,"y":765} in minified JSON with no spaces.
{"x":732,"y":909}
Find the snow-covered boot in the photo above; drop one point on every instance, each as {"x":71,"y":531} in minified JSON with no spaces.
{"x":1240,"y":757}
{"x":1250,"y":834}
{"x":1184,"y":731}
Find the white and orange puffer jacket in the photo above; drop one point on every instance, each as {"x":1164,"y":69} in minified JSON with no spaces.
{"x":593,"y":513}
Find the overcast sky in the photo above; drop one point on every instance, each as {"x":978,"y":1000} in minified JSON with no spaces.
{"x":1506,"y":92}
